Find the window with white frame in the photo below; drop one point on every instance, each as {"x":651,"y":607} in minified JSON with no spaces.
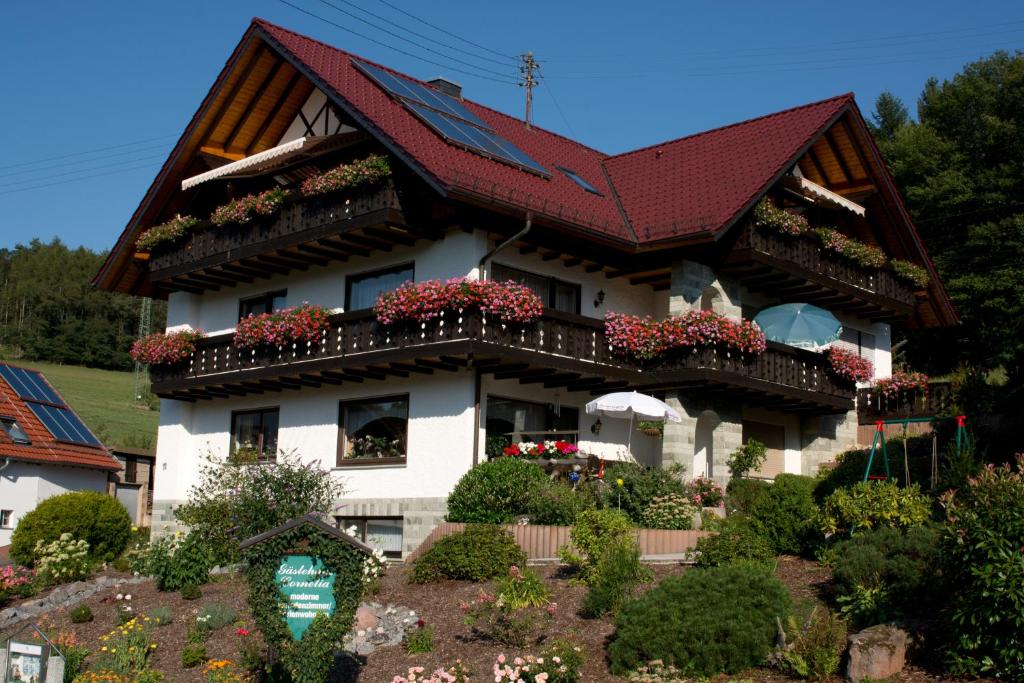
{"x":381,"y":533}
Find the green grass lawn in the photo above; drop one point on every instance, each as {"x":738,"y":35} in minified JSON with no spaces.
{"x":103,"y":398}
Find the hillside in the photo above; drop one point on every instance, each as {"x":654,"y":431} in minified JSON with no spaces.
{"x":104,"y":400}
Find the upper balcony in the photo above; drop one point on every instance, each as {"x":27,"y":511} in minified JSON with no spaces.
{"x":796,"y":269}
{"x":559,"y":350}
{"x":306,"y":231}
{"x":873,"y":406}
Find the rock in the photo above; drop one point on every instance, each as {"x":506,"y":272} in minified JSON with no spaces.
{"x":366,"y":620}
{"x":877,"y":652}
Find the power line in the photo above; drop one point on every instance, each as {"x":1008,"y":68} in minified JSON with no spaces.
{"x":91,"y":151}
{"x":82,"y":161}
{"x":505,"y":63}
{"x":75,"y":180}
{"x":444,"y":31}
{"x":151,"y":157}
{"x":559,"y":108}
{"x":391,"y":47}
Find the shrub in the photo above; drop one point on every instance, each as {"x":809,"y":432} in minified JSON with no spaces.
{"x":214,"y":617}
{"x":783,"y":514}
{"x":871,"y":504}
{"x":631,"y":488}
{"x":419,"y":640}
{"x":747,"y":458}
{"x":982,"y":545}
{"x":175,"y":561}
{"x":736,"y":541}
{"x":80,"y":614}
{"x":495,"y":492}
{"x":559,"y":663}
{"x":99,"y":520}
{"x":669,"y":512}
{"x":62,"y":560}
{"x":481,"y":552}
{"x":594,"y":533}
{"x":883,"y":574}
{"x":615,"y":578}
{"x":231,"y":503}
{"x":523,"y":588}
{"x":555,"y":503}
{"x":191,"y":591}
{"x":741,"y":495}
{"x":490,"y":618}
{"x":706,"y":622}
{"x":193,"y":655}
{"x":19,"y":581}
{"x":812,"y":649}
{"x":126,"y":649}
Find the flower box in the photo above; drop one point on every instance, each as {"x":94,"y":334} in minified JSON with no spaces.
{"x":169,"y":348}
{"x":418,"y":302}
{"x":901,"y":384}
{"x":779,"y":220}
{"x":368,"y":171}
{"x":166,"y":233}
{"x":646,"y":339}
{"x":849,"y":366}
{"x":244,"y":209}
{"x":303,"y":323}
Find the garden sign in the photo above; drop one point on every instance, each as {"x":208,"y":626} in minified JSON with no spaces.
{"x":309,"y":587}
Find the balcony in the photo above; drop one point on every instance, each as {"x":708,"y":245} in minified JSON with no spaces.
{"x":559,"y":350}
{"x":872,"y":406}
{"x":306,"y":231}
{"x":796,"y":269}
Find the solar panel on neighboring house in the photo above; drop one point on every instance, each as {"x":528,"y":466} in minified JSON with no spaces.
{"x":451,"y":119}
{"x":48,"y":406}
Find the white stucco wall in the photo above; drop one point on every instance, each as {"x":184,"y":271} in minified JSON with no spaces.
{"x":24,"y":485}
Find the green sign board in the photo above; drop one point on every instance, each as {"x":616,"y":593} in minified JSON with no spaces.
{"x":309,"y":588}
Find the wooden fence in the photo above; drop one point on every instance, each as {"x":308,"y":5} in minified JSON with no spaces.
{"x":542,"y":542}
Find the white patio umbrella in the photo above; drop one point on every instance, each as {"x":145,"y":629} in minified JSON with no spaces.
{"x":631,"y":404}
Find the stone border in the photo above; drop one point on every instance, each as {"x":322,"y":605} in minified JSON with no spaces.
{"x":62,"y":597}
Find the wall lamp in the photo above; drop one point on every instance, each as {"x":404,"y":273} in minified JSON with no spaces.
{"x":599,"y":298}
{"x":596,"y":427}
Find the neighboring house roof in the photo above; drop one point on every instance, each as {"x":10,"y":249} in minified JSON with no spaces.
{"x":692,"y":188}
{"x":44,"y":448}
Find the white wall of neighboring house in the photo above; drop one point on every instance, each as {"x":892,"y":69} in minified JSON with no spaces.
{"x":24,"y":485}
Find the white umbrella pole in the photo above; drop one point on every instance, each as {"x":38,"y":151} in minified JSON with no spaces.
{"x":629,"y":437}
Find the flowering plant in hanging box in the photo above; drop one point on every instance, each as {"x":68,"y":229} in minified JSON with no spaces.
{"x":860,"y":253}
{"x":165,"y":233}
{"x":782,"y":221}
{"x":900,"y":383}
{"x":244,"y":209}
{"x":911,"y":272}
{"x":646,"y":339}
{"x":168,"y":348}
{"x":305,"y":323}
{"x":849,"y":366}
{"x":368,"y":171}
{"x":421,"y":301}
{"x":547,"y":449}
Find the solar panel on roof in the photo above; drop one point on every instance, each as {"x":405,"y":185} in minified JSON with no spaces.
{"x":29,"y":384}
{"x":450,"y":119}
{"x":63,"y":424}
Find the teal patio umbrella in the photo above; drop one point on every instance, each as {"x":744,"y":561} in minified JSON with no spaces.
{"x":802,"y":325}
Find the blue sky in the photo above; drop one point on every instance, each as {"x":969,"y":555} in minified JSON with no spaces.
{"x":113,"y":83}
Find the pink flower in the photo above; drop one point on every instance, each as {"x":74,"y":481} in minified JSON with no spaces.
{"x":165,"y":349}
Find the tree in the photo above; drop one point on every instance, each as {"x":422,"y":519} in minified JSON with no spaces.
{"x":890,"y":115}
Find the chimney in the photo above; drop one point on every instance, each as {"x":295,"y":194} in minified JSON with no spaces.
{"x":450,"y":88}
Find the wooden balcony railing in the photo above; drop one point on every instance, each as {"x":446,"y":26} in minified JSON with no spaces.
{"x":873,"y":406}
{"x":300,"y":220}
{"x":572,"y":343}
{"x":807,"y":259}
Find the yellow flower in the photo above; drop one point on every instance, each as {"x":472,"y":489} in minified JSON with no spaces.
{"x":103,"y":649}
{"x":152,"y":646}
{"x":619,"y":482}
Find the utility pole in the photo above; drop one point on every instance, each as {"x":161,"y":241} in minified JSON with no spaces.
{"x":529,"y":75}
{"x":140,"y":376}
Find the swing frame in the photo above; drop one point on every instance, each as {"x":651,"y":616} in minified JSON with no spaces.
{"x":879,"y":440}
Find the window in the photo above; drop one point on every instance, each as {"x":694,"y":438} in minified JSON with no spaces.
{"x":513,"y":421}
{"x":556,"y":294}
{"x":383,"y":533}
{"x":131,"y":470}
{"x":578,"y":179}
{"x":373,"y":431}
{"x":14,"y":430}
{"x":862,"y":343}
{"x":361,"y":291}
{"x":264,"y":303}
{"x":254,"y":434}
{"x":5,"y":518}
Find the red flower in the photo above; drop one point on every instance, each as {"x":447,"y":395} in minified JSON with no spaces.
{"x":303,"y":323}
{"x":421,"y":301}
{"x":242,"y":632}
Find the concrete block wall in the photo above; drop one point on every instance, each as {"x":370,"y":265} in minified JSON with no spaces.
{"x":419,"y":515}
{"x":690,"y":281}
{"x":680,"y":442}
{"x":825,"y":436}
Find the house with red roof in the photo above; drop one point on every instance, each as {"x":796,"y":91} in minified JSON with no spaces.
{"x":45,"y":448}
{"x":309,"y":175}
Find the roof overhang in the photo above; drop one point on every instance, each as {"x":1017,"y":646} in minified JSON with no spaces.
{"x":267,"y":159}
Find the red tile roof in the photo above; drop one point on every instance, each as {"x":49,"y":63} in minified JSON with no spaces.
{"x":43,"y":447}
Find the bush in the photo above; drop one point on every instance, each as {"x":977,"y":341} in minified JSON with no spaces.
{"x":671,"y":511}
{"x":982,"y":545}
{"x":555,"y":503}
{"x":481,"y":552}
{"x":214,"y":617}
{"x":176,"y":561}
{"x":736,"y":541}
{"x":495,"y":492}
{"x":80,"y":614}
{"x":783,"y":514}
{"x":161,"y":616}
{"x":631,"y":488}
{"x":747,"y":458}
{"x":232,"y":503}
{"x":420,"y":640}
{"x":97,"y":519}
{"x":884,"y":574}
{"x":872,"y":504}
{"x":813,"y":648}
{"x":615,"y":578}
{"x":191,"y":591}
{"x":706,"y":622}
{"x":594,"y":532}
{"x":62,"y":560}
{"x":193,"y":655}
{"x":850,"y":466}
{"x":704,"y":492}
{"x":741,"y":495}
